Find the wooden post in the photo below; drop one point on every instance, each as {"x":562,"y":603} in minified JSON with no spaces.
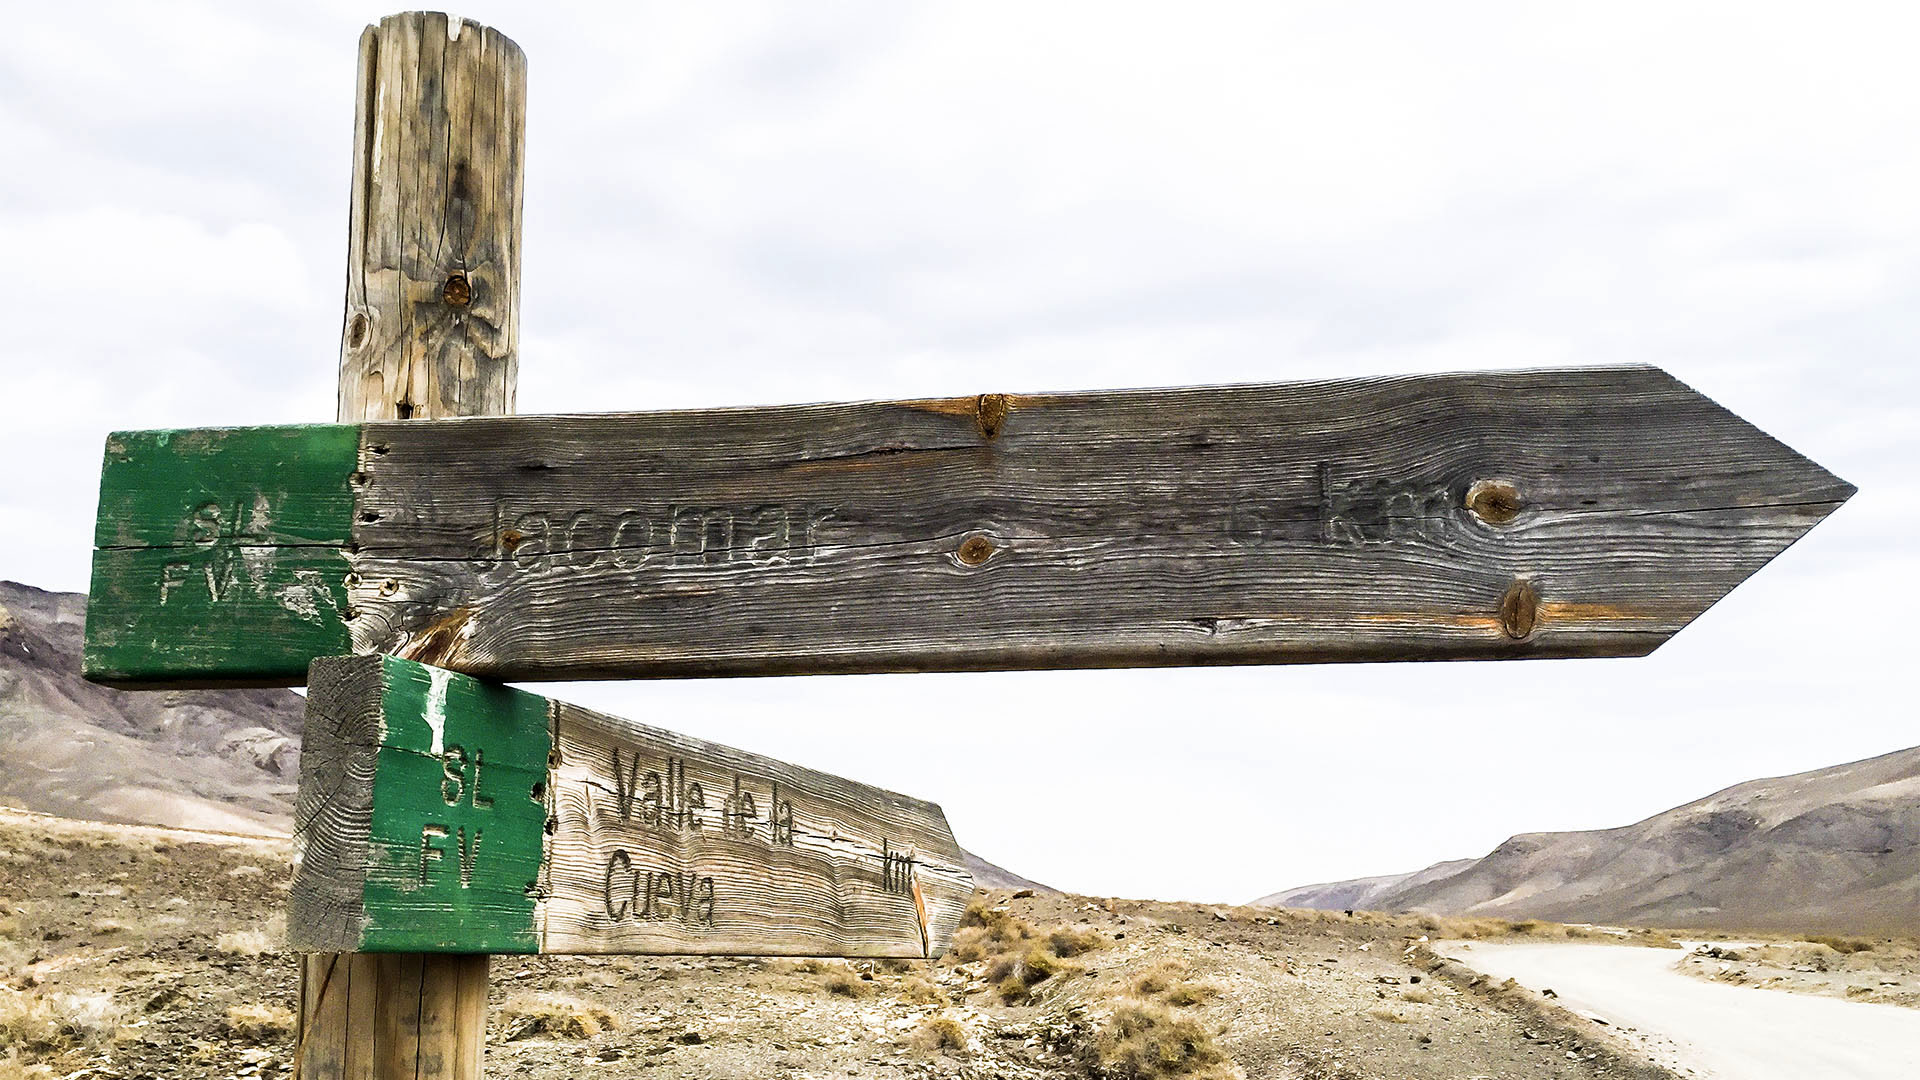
{"x":431,"y":330}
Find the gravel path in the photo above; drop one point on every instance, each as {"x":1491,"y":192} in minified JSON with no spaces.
{"x":1708,"y":1029}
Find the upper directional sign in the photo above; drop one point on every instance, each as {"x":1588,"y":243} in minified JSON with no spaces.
{"x":1574,"y":512}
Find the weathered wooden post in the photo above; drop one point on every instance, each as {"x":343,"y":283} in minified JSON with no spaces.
{"x":431,"y":330}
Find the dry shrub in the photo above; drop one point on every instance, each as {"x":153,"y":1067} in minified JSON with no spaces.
{"x":1148,"y":1042}
{"x":1015,"y":979}
{"x":1391,"y":1016}
{"x":563,"y":1017}
{"x":941,"y":1033}
{"x":244,"y":942}
{"x":32,"y":1020}
{"x":259,"y":1023}
{"x":915,"y":990}
{"x":1191,"y":993}
{"x":13,"y":1068}
{"x":1156,"y":979}
{"x":1018,"y":957}
{"x":1419,"y":995}
{"x":1065,"y":941}
{"x":988,"y":931}
{"x":1842,"y":945}
{"x":846,"y":984}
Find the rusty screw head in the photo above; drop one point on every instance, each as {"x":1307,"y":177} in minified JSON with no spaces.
{"x":1495,"y":502}
{"x":511,"y":539}
{"x":975,"y":550}
{"x":458,"y":291}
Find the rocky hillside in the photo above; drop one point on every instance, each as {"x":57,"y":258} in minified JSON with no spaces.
{"x":208,"y":759}
{"x":1834,"y":849}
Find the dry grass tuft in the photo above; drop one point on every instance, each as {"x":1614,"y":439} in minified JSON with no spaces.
{"x":557,"y":1015}
{"x":1419,"y":995}
{"x":939,"y":1034}
{"x":846,"y":984}
{"x":244,"y":942}
{"x":1156,"y":979}
{"x":1191,"y":993}
{"x":34,"y":1021}
{"x":259,"y":1023}
{"x":1842,"y":945}
{"x":1066,"y":941}
{"x":1167,"y":981}
{"x":915,"y":990}
{"x":1150,"y":1042}
{"x":989,"y":931}
{"x":13,"y":1068}
{"x":1017,"y":956}
{"x":1391,"y":1016}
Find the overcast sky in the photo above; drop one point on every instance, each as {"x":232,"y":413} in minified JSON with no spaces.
{"x":737,"y":204}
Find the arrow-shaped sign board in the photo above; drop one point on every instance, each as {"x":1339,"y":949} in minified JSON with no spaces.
{"x":439,"y":813}
{"x":1572,"y":512}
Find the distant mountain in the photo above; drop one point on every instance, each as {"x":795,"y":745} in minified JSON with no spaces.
{"x":1834,"y":849}
{"x":988,"y":876}
{"x":1359,"y":893}
{"x":226,"y":760}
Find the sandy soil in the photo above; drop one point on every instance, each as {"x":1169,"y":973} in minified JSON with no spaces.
{"x":140,"y":944}
{"x":1706,"y":1029}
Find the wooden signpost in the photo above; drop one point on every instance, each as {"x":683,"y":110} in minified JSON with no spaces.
{"x":1575,"y":512}
{"x":443,"y":818}
{"x":441,"y":813}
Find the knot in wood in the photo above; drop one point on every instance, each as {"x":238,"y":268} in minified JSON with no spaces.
{"x":458,"y":291}
{"x":1495,"y":502}
{"x":990,"y":412}
{"x":1519,"y":609}
{"x":975,"y":550}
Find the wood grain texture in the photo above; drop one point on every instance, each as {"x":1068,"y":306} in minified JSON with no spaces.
{"x":1297,"y":522}
{"x":1589,"y":512}
{"x":430,"y":329}
{"x":494,"y":820}
{"x":433,"y":288}
{"x":410,"y":778}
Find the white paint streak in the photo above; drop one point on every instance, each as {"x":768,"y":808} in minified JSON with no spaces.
{"x":437,"y":707}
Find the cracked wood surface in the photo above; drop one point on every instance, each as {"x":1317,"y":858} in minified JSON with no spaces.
{"x":1573,"y":512}
{"x":430,"y":329}
{"x":438,"y":813}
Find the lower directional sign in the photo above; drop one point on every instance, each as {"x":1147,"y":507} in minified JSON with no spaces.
{"x":438,"y":813}
{"x":1500,"y":515}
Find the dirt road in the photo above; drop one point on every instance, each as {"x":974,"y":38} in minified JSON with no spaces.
{"x":1708,"y":1029}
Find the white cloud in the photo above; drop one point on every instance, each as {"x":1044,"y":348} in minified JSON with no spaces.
{"x":755,"y":204}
